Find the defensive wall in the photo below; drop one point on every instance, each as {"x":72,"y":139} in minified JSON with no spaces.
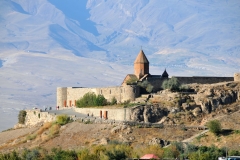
{"x":121,"y":114}
{"x":35,"y":116}
{"x":203,"y":80}
{"x":67,"y":96}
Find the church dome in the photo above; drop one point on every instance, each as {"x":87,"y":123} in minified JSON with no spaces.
{"x":165,"y":74}
{"x":141,"y":58}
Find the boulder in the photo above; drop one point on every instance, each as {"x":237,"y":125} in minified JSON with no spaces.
{"x":137,"y":113}
{"x":158,"y":141}
{"x":206,"y":107}
{"x":148,"y":113}
{"x":197,"y":111}
{"x":118,"y":128}
{"x":186,"y":106}
{"x":104,"y":141}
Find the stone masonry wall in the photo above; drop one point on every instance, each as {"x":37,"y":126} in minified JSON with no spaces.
{"x":68,"y":96}
{"x":35,"y":116}
{"x":122,"y":114}
{"x":204,"y":80}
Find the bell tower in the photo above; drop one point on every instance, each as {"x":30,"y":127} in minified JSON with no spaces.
{"x":141,"y":65}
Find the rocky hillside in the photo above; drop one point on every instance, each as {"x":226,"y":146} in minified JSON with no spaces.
{"x":187,"y":107}
{"x":181,"y":115}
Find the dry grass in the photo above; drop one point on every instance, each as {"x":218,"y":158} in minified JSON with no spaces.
{"x":54,"y":130}
{"x":44,"y":128}
{"x":227,"y":139}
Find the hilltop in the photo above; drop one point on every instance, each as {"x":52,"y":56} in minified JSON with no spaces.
{"x":177,"y":126}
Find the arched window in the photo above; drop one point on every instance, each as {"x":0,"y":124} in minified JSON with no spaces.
{"x":110,"y":91}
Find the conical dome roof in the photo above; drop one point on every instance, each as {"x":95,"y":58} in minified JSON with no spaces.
{"x":165,"y":74}
{"x":141,"y":58}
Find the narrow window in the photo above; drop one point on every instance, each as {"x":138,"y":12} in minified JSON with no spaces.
{"x":110,"y":91}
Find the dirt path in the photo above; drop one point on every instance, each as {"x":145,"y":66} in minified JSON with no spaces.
{"x":195,"y":136}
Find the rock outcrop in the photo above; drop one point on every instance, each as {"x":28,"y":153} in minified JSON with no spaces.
{"x":210,"y":97}
{"x":148,"y":113}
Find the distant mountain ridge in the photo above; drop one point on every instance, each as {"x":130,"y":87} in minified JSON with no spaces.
{"x":117,"y":29}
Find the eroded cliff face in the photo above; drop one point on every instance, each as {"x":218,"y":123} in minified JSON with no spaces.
{"x":214,"y":96}
{"x":148,"y":113}
{"x":171,"y":108}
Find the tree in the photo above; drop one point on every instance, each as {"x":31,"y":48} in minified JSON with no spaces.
{"x":90,"y":99}
{"x":146,"y":85}
{"x":173,"y":84}
{"x":214,"y":126}
{"x":113,"y":101}
{"x":21,"y":116}
{"x":100,"y":100}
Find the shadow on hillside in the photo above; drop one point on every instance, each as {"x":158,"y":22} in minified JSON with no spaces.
{"x":226,"y":132}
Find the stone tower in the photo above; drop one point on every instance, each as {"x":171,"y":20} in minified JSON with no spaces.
{"x":237,"y":77}
{"x":141,"y":65}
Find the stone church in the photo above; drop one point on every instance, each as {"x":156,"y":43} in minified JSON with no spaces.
{"x":129,"y":90}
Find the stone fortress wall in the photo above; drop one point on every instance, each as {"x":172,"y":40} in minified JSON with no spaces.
{"x":36,"y":116}
{"x":203,"y":80}
{"x":117,"y":114}
{"x":67,"y":96}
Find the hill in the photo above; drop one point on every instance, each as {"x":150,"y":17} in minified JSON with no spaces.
{"x":49,"y":43}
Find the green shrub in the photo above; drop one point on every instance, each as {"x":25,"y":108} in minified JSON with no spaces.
{"x":100,"y":100}
{"x":90,"y":99}
{"x":173,"y":84}
{"x":146,"y":85}
{"x":62,"y":119}
{"x":21,"y":116}
{"x":113,"y":101}
{"x":214,"y":126}
{"x":31,"y":137}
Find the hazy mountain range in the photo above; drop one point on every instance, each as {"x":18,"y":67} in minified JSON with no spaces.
{"x":50,"y":43}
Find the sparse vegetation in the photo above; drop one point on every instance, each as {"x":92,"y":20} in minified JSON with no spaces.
{"x":113,"y":101}
{"x":21,"y":116}
{"x":146,"y":85}
{"x":62,"y":119}
{"x":54,"y":130}
{"x":173,"y":84}
{"x":214,"y":127}
{"x":31,"y":137}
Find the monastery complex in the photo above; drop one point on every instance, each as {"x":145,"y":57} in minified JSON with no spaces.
{"x":129,"y":90}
